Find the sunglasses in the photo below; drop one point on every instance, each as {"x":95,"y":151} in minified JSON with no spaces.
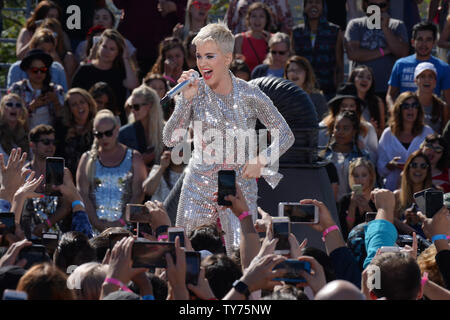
{"x":47,"y":142}
{"x":437,"y":149}
{"x":281,"y":53}
{"x":107,"y":133}
{"x":11,"y":105}
{"x":382,"y":5}
{"x":415,"y":165}
{"x":137,"y":106}
{"x":407,"y":106}
{"x":200,"y":5}
{"x":41,"y":70}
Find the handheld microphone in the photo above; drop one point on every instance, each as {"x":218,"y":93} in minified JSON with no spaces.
{"x":179,"y":87}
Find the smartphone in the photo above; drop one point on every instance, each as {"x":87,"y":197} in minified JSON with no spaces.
{"x":293,"y":267}
{"x":114,"y":237}
{"x":447,"y":200}
{"x":299,"y":213}
{"x":434,"y":200}
{"x":50,"y":241}
{"x":137,"y":213}
{"x":54,"y":174}
{"x":9,"y":294}
{"x":33,"y":254}
{"x":419,"y":198}
{"x":95,"y":39}
{"x":281,"y":230}
{"x":390,"y":249}
{"x":151,"y":254}
{"x":404,"y":240}
{"x":226,"y":186}
{"x":370,"y":216}
{"x":7,"y":218}
{"x":174,"y":232}
{"x":357,"y":188}
{"x":193,"y":260}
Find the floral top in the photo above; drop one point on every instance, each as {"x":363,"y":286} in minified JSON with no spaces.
{"x":44,"y":114}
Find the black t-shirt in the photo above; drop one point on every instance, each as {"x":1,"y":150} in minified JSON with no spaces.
{"x":87,"y":75}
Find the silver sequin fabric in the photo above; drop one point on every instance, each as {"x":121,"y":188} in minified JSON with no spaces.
{"x":237,"y":111}
{"x":112,"y":188}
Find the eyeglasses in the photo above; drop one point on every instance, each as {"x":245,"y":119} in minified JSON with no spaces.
{"x":11,"y":105}
{"x":47,"y":142}
{"x":200,"y":5}
{"x":415,"y":165}
{"x":437,"y":149}
{"x":137,"y":106}
{"x":41,"y":70}
{"x":382,"y":5}
{"x":107,"y":133}
{"x":281,"y":53}
{"x":407,"y":106}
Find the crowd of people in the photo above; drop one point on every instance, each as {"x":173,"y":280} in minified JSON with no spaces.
{"x":93,"y":97}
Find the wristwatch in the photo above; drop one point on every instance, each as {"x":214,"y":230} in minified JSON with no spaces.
{"x":241,"y":287}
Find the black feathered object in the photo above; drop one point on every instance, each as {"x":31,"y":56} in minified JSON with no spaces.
{"x":300,"y":114}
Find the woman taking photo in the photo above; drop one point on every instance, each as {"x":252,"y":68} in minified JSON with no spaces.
{"x":436,"y":149}
{"x":144,"y":133}
{"x":74,"y":132}
{"x":110,"y":175}
{"x":252,"y":44}
{"x":300,"y":71}
{"x":279,"y":52}
{"x":373,"y":110}
{"x":13,"y":125}
{"x":343,"y":147}
{"x":354,"y":206}
{"x":403,"y":136}
{"x":171,"y":60}
{"x":43,"y":99}
{"x":111,"y":65}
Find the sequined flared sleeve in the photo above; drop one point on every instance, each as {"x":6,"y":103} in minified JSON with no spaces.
{"x":178,"y":123}
{"x":282,"y":137}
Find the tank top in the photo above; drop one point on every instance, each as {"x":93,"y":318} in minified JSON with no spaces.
{"x":112,"y":188}
{"x":254,"y":50}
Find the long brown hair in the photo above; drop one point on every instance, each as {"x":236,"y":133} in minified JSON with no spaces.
{"x":114,"y":35}
{"x":166,"y":45}
{"x":310,"y":85}
{"x":396,"y":118}
{"x":406,"y":190}
{"x":68,"y":118}
{"x":55,"y":26}
{"x":40,"y":13}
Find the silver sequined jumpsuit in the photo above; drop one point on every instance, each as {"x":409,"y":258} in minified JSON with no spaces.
{"x":218,"y":114}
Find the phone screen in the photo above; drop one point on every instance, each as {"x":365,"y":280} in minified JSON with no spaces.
{"x":192,"y":267}
{"x":149,"y":254}
{"x":300,"y":212}
{"x":281,"y":232}
{"x":7,"y":218}
{"x":226,"y":186}
{"x":50,"y":241}
{"x":54,"y":175}
{"x":293,"y":267}
{"x":33,"y":254}
{"x":137,"y":213}
{"x":434,"y":200}
{"x":174,"y":234}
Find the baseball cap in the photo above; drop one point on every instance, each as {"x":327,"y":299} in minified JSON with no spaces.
{"x":421,"y":67}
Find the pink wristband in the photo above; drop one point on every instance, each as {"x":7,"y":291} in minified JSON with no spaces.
{"x":49,"y":223}
{"x":381,"y":51}
{"x":424,"y":278}
{"x":122,"y":222}
{"x":163,"y":237}
{"x":328,"y":230}
{"x":243,"y":215}
{"x":117,"y":283}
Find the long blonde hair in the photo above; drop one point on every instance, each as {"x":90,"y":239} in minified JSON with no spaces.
{"x":68,"y":118}
{"x":155,"y":117}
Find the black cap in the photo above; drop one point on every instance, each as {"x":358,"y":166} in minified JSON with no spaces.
{"x":36,"y":54}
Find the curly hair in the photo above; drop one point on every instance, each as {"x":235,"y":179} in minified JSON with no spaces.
{"x":427,"y":263}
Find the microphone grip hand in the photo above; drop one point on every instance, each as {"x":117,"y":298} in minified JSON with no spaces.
{"x":190,"y":91}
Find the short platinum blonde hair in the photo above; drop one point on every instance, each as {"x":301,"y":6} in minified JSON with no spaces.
{"x":217,"y":32}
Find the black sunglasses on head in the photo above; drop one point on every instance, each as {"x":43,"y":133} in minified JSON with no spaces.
{"x":107,"y":133}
